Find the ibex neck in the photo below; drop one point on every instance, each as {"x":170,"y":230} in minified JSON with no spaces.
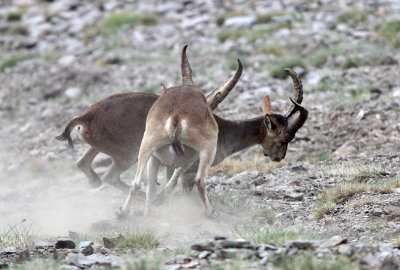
{"x":234,"y":136}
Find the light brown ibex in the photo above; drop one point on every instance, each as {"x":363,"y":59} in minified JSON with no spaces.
{"x":271,"y":130}
{"x":115,"y":126}
{"x":180,"y":128}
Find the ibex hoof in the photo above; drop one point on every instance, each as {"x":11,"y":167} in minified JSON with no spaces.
{"x":121,"y":213}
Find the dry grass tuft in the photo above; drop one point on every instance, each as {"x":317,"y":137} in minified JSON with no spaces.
{"x":356,"y":171}
{"x":17,"y":235}
{"x":232,"y":166}
{"x":334,"y":196}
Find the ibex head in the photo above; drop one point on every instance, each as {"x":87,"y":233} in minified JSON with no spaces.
{"x":281,"y":129}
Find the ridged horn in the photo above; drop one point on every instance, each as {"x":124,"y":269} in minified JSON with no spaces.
{"x":186,"y":70}
{"x":220,"y":93}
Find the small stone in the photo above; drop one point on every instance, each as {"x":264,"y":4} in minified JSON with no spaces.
{"x":240,"y":21}
{"x":84,"y":244}
{"x":265,"y":247}
{"x":73,"y":92}
{"x":67,"y":60}
{"x":108,"y":243}
{"x":87,"y":250}
{"x":303,"y":244}
{"x":346,"y":249}
{"x":10,"y":250}
{"x":377,"y":212}
{"x":38,"y":244}
{"x":294,"y":196}
{"x":298,"y":168}
{"x":203,"y":255}
{"x":333,"y":242}
{"x":65,"y":243}
{"x":68,"y":267}
{"x":219,"y":237}
{"x":234,"y":244}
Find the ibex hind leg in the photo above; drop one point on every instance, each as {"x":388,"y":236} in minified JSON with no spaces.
{"x":85,"y":164}
{"x":112,"y":176}
{"x":206,"y":159}
{"x":153,"y":166}
{"x":144,"y":156}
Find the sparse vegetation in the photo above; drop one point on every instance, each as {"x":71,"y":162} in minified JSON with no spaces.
{"x":250,"y":35}
{"x":115,"y":21}
{"x":272,"y":49}
{"x":269,"y":234}
{"x":14,"y":15}
{"x":334,"y":196}
{"x":354,"y":17}
{"x":310,"y":261}
{"x":315,"y":158}
{"x":355,"y":171}
{"x":391,"y":31}
{"x":224,"y":16}
{"x":39,"y":264}
{"x":11,"y":61}
{"x":133,"y":238}
{"x":151,"y":88}
{"x":234,"y":166}
{"x":278,"y":71}
{"x":17,"y":235}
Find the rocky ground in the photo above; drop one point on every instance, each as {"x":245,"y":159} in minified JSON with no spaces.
{"x":333,"y":202}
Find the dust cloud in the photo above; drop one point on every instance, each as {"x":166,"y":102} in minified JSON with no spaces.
{"x":55,"y":197}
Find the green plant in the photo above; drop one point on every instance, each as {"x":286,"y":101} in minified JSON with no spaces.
{"x":11,"y":61}
{"x":321,"y":156}
{"x":151,"y":88}
{"x":278,"y":71}
{"x":14,"y":15}
{"x":271,"y":49}
{"x":391,"y":31}
{"x":269,"y":234}
{"x":39,"y":264}
{"x":17,"y":235}
{"x":133,"y":238}
{"x":115,"y":21}
{"x":309,"y":261}
{"x":350,"y":63}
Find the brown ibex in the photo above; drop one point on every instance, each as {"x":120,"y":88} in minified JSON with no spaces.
{"x":271,"y":130}
{"x":115,"y":126}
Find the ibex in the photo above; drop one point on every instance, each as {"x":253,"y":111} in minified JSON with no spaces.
{"x":271,"y":130}
{"x":180,"y":128}
{"x":115,"y":126}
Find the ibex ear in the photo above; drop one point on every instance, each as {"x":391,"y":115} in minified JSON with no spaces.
{"x":269,"y":123}
{"x":163,"y":85}
{"x":266,"y":105}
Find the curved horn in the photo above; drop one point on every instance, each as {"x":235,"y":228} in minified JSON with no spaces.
{"x":220,"y":93}
{"x":295,"y":124}
{"x":186,"y":70}
{"x":297,"y":91}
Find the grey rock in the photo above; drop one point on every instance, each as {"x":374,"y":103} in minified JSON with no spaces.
{"x":241,"y":21}
{"x":65,"y":243}
{"x":234,"y":244}
{"x":38,"y":244}
{"x":88,"y":250}
{"x":303,"y":244}
{"x":294,"y":196}
{"x":81,"y":260}
{"x":333,"y":242}
{"x":84,"y":244}
{"x":377,"y":212}
{"x":68,"y":267}
{"x":204,"y":255}
{"x":108,"y":243}
{"x":10,"y":250}
{"x":265,"y":247}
